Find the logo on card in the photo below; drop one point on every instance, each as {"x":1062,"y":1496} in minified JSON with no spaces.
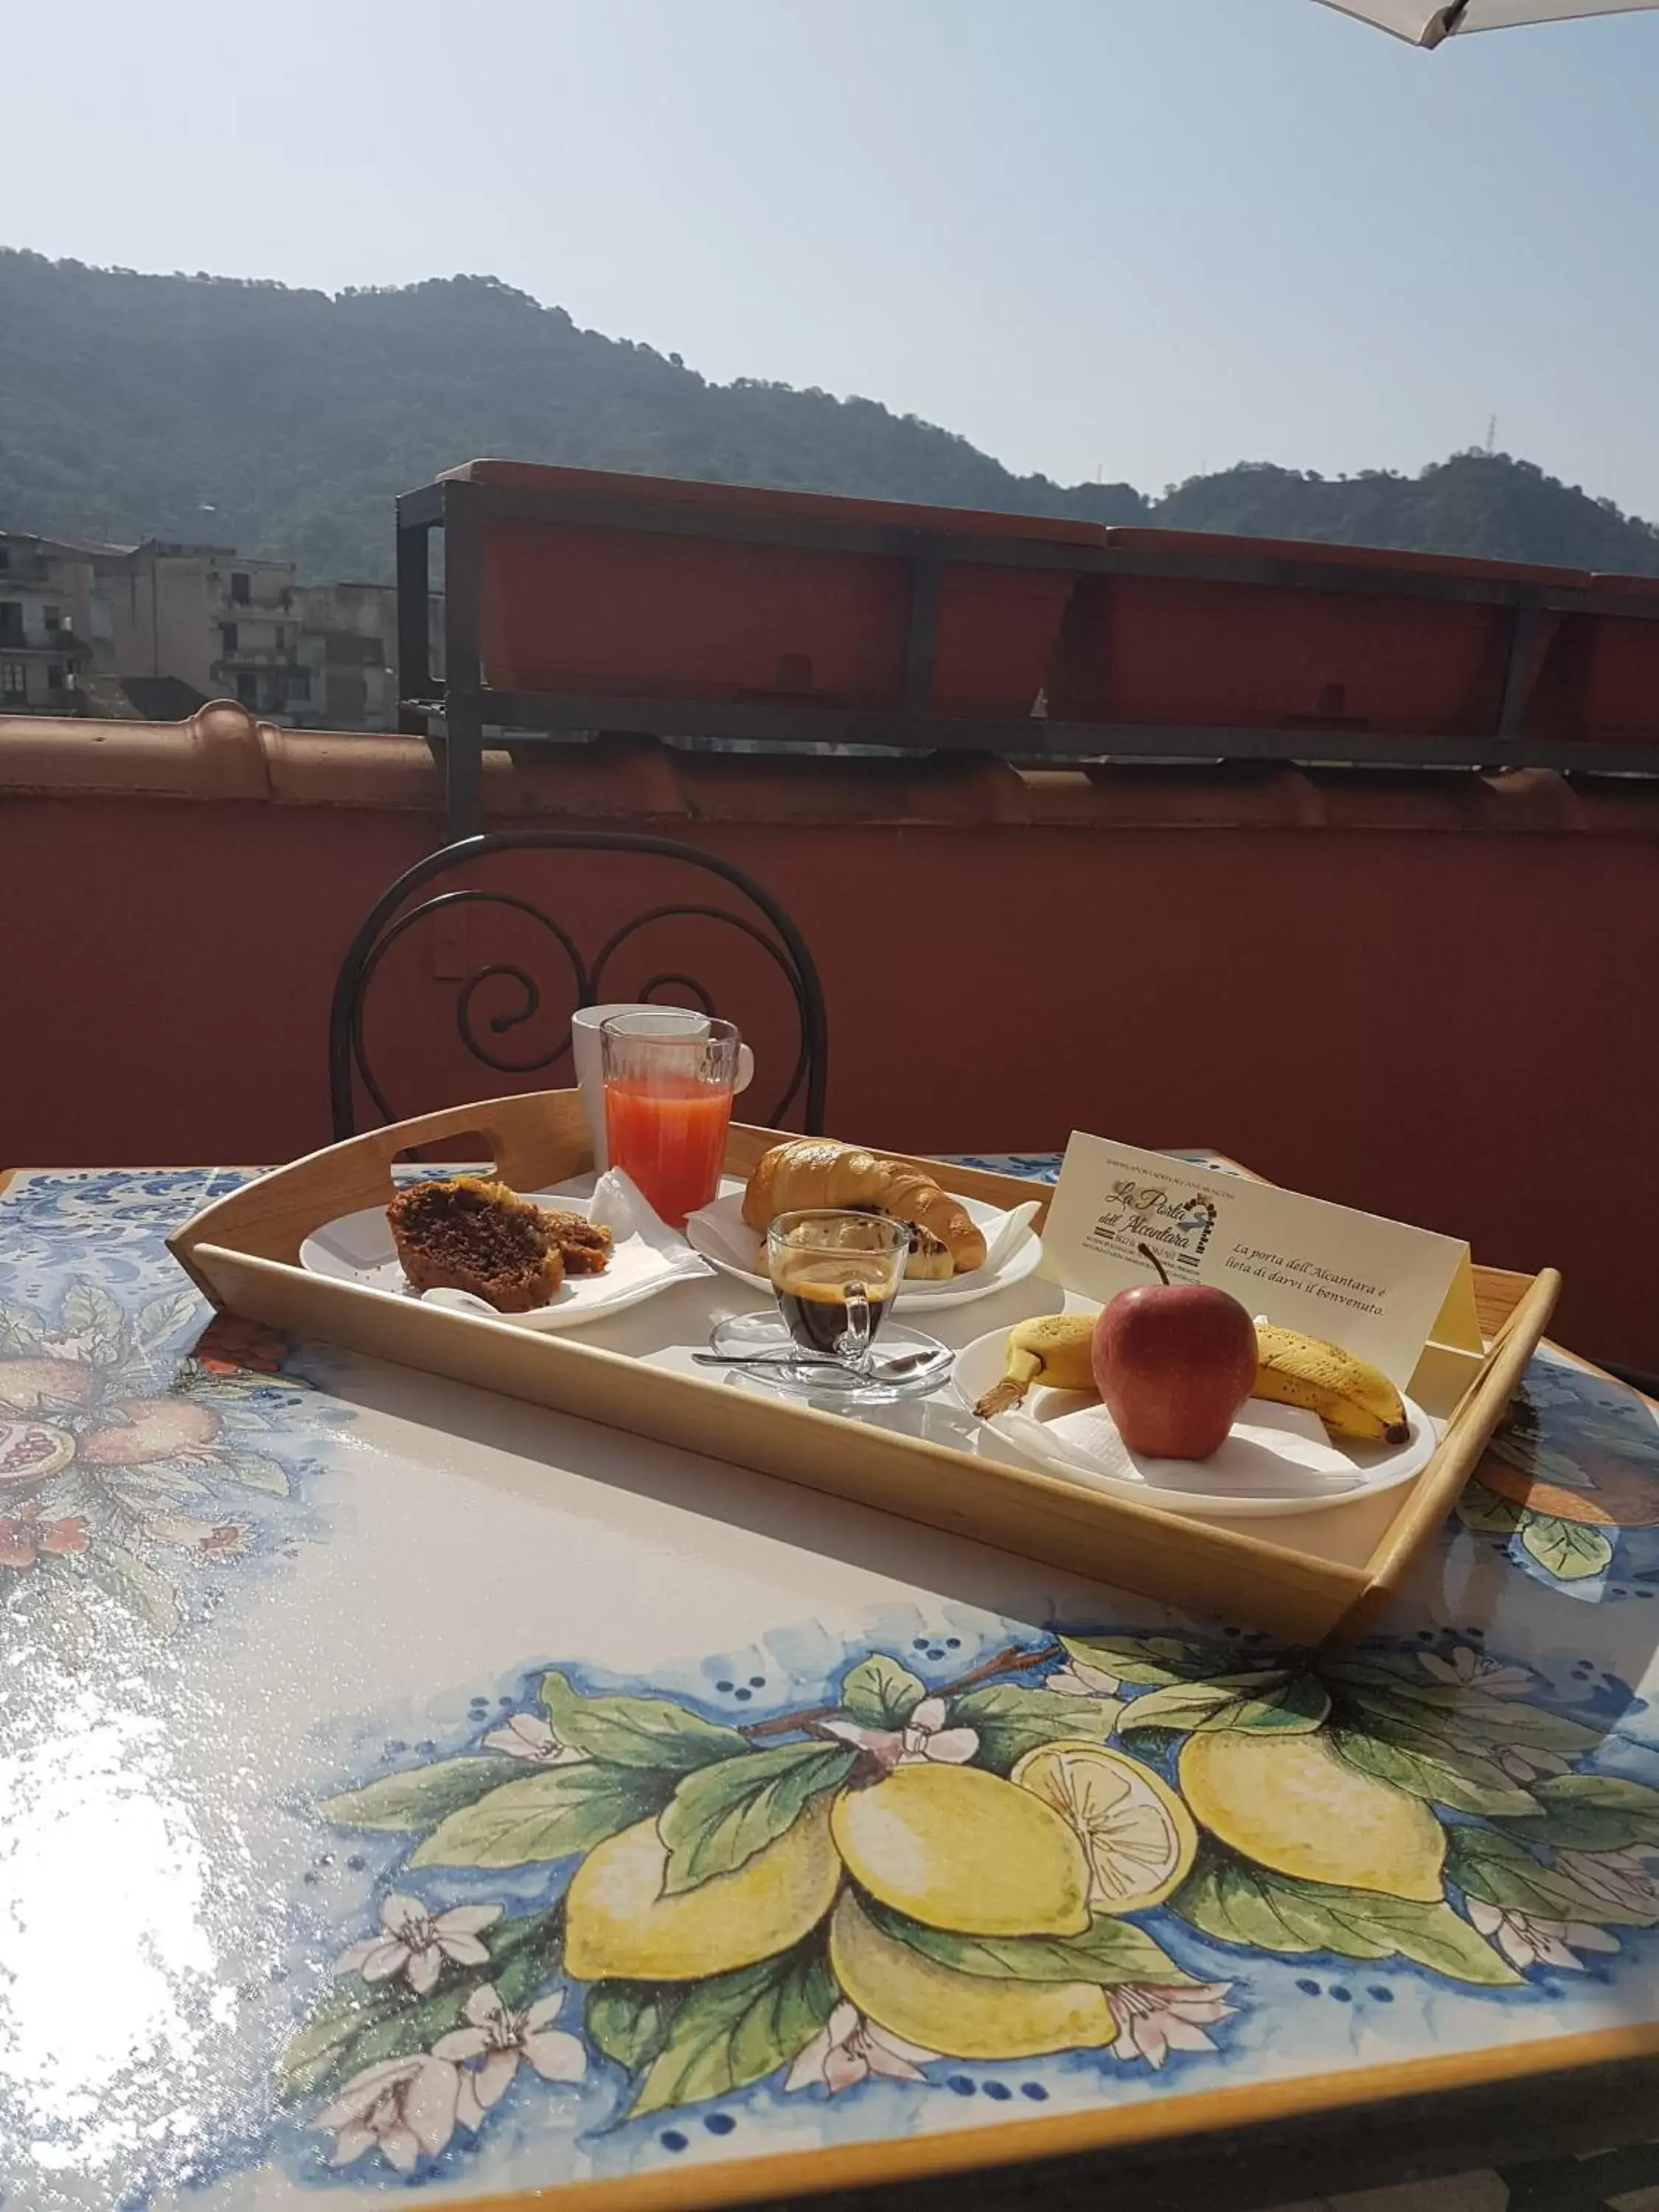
{"x":1177,"y":1224}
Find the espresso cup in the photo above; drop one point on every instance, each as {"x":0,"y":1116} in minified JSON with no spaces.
{"x":835,"y":1274}
{"x":586,"y":1051}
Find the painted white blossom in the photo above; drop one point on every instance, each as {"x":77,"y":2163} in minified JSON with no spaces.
{"x":924,"y":1736}
{"x":848,"y":2048}
{"x":499,"y":2038}
{"x":1079,"y":1678}
{"x":415,"y":1942}
{"x":527,"y":1736}
{"x":1154,"y":2019}
{"x":403,"y":2106}
{"x":1623,"y":1878}
{"x":1468,"y":1669}
{"x":1525,"y":1940}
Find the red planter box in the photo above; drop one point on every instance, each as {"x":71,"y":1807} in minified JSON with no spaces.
{"x":628,"y":612}
{"x":1179,"y":650}
{"x":1604,"y":674}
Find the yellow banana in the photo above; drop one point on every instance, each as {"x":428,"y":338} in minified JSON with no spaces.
{"x":1053,"y":1350}
{"x":1352,"y":1397}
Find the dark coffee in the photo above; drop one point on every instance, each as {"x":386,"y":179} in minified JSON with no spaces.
{"x":811,"y":1291}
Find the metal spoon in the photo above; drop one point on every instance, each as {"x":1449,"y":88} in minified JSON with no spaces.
{"x":905,"y":1363}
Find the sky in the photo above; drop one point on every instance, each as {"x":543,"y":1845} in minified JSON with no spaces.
{"x":1140,"y":239}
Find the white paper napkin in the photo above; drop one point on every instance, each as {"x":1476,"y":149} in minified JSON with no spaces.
{"x":1274,"y":1451}
{"x":644,"y":1251}
{"x":723,"y":1232}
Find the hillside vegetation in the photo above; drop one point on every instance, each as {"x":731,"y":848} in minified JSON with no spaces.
{"x":282,"y":421}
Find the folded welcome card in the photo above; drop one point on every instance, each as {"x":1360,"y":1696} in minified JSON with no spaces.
{"x":1402,"y":1298}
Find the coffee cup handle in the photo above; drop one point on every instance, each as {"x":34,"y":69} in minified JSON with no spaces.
{"x":745,"y":1068}
{"x":852,"y":1345}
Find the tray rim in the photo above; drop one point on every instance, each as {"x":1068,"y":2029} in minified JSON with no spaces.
{"x":242,"y":1252}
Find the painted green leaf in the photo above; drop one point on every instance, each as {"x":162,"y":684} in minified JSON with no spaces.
{"x":1150,"y":1659}
{"x":1010,"y":1722}
{"x":734,"y":2028}
{"x":1592,"y":1813}
{"x":1435,"y":1716}
{"x":629,"y":2021}
{"x":1566,"y":1549}
{"x":419,"y":1796}
{"x":312,"y":2052}
{"x":545,"y":1816}
{"x":256,"y":1473}
{"x":158,"y":1318}
{"x":878,"y":1693}
{"x":1273,"y":1702}
{"x":20,"y":1333}
{"x":723,"y":1814}
{"x":1497,"y":1869}
{"x":637,"y":1732}
{"x":358,"y":2024}
{"x":137,"y":1583}
{"x":91,"y":1312}
{"x":1462,"y":1780}
{"x":1111,"y":1950}
{"x":1269,"y":1912}
{"x":1486,"y":1513}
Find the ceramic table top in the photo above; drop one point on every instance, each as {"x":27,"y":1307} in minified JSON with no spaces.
{"x":401,"y":1786}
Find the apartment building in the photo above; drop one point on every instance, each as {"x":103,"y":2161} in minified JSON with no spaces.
{"x":56,"y":628}
{"x":156,"y":629}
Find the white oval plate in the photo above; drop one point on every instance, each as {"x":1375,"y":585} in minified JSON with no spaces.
{"x":358,"y":1248}
{"x":914,"y":1297}
{"x":1220,"y":1487}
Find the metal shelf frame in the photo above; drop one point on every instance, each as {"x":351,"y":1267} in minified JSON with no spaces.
{"x":453,"y":715}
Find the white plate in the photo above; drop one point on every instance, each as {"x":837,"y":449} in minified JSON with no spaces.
{"x":1267,"y":1468}
{"x":357,"y":1248}
{"x":735,"y":1234}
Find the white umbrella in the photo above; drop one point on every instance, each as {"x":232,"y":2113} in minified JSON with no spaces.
{"x":1426,"y":23}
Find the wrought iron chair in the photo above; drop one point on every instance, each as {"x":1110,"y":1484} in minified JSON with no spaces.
{"x":391,"y":917}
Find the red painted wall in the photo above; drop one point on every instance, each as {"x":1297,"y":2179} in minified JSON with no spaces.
{"x":1456,"y":1028}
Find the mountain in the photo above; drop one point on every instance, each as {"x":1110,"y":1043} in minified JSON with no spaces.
{"x":284,"y":422}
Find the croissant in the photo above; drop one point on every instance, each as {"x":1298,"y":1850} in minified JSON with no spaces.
{"x":818,"y":1171}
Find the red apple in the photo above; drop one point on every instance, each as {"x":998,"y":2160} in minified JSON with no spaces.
{"x":1173,"y":1363}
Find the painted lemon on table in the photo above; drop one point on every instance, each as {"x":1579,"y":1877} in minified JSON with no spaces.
{"x":619,"y":1921}
{"x":1292,"y":1804}
{"x":1137,"y":1835}
{"x":957,"y":1848}
{"x":956,"y":2014}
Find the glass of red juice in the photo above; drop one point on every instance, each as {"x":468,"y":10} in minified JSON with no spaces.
{"x":669,"y":1080}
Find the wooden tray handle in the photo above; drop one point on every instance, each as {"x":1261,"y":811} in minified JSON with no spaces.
{"x":536,"y":1139}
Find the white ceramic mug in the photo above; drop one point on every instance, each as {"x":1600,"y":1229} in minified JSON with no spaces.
{"x":590,"y":1073}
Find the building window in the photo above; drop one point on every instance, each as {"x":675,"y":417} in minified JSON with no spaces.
{"x":50,"y":617}
{"x":280,"y":635}
{"x":299,"y":683}
{"x":54,"y":676}
{"x":14,"y":680}
{"x":228,"y":631}
{"x":241,"y":589}
{"x":247,"y":689}
{"x":5,"y":558}
{"x":11,"y":622}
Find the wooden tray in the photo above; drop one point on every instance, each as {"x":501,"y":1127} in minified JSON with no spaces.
{"x":244,"y":1253}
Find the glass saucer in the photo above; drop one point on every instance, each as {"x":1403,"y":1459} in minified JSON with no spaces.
{"x":748,"y":1334}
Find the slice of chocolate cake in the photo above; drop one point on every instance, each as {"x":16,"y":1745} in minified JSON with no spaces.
{"x":471,"y":1234}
